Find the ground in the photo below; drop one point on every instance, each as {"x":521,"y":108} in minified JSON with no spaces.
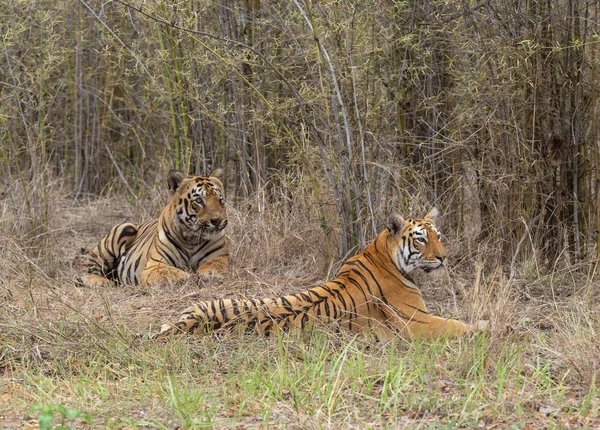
{"x":64,"y":346}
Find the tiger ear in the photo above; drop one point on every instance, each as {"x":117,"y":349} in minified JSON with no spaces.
{"x":174,"y":180}
{"x":216,"y":173}
{"x":395,"y":223}
{"x":432,"y":214}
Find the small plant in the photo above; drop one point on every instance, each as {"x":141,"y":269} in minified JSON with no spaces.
{"x":46,"y":416}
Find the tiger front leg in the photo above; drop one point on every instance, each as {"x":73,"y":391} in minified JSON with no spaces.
{"x":432,"y":327}
{"x":215,"y":268}
{"x":422,"y":324}
{"x":435,"y":327}
{"x":96,"y":281}
{"x":159,"y":272}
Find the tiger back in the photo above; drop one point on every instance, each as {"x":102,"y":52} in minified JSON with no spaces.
{"x":372,"y":292}
{"x":188,"y":235}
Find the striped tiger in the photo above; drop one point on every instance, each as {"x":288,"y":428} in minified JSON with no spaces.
{"x":372,"y":292}
{"x":188,"y":234}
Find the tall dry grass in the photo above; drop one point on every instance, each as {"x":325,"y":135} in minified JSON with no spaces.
{"x":62,"y":345}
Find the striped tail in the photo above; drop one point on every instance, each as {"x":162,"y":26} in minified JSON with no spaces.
{"x":219,"y":314}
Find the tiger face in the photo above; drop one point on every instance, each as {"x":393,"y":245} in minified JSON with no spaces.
{"x":198,"y":205}
{"x":414,"y":243}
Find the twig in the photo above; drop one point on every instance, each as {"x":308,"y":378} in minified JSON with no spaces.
{"x":525,"y":234}
{"x":346,"y":124}
{"x":118,"y":39}
{"x":119,"y":171}
{"x":15,"y":87}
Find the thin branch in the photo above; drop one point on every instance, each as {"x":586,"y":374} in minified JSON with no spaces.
{"x":338,"y":93}
{"x":118,"y":39}
{"x":15,"y":87}
{"x":513,"y":262}
{"x":119,"y":171}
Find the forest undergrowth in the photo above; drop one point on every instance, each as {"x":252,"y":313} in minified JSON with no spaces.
{"x":68,"y":353}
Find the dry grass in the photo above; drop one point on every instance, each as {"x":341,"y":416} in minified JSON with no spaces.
{"x":64,"y":345}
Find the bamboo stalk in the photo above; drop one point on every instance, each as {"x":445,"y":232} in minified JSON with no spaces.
{"x":172,"y":106}
{"x":177,"y":82}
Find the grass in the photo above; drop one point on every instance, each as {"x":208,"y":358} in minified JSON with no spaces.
{"x":70,"y":351}
{"x":298,"y":380}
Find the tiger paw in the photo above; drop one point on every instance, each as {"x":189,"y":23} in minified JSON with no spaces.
{"x":162,"y":273}
{"x":95,"y":281}
{"x":210,"y":275}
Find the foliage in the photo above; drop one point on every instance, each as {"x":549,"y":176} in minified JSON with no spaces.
{"x":46,"y":414}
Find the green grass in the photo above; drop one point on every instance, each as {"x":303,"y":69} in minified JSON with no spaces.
{"x":320,"y":380}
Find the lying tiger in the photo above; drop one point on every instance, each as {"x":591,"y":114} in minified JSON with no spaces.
{"x":372,"y":292}
{"x":188,"y":234}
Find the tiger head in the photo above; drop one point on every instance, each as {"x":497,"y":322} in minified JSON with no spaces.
{"x":414,"y":243}
{"x":198,"y":205}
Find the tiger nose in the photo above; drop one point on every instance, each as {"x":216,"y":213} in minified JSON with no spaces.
{"x":215,"y":221}
{"x":442,"y":255}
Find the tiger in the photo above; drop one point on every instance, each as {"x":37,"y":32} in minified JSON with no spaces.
{"x":372,"y":292}
{"x":188,"y":234}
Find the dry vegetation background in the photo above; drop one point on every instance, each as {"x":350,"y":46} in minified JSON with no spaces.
{"x":325,"y":116}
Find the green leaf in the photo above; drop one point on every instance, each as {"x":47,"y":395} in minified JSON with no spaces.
{"x":86,"y":417}
{"x":71,"y":413}
{"x":45,"y":419}
{"x":60,"y":409}
{"x":34,"y":408}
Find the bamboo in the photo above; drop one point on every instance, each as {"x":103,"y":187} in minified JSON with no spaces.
{"x":372,"y":105}
{"x":172,"y":105}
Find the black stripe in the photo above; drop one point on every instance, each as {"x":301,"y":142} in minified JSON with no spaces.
{"x":364,"y":279}
{"x":416,"y":308}
{"x":305,"y":297}
{"x":370,"y":258}
{"x":235,"y":308}
{"x":223,"y":310}
{"x":114,"y":238}
{"x":319,"y":298}
{"x":357,"y":285}
{"x":335,"y":314}
{"x":286,"y":304}
{"x":381,"y":295}
{"x":163,"y":252}
{"x":326,"y":288}
{"x":209,"y":253}
{"x":326,"y":306}
{"x":172,"y":240}
{"x":303,"y":321}
{"x":340,"y":297}
{"x":351,"y":298}
{"x":405,"y":316}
